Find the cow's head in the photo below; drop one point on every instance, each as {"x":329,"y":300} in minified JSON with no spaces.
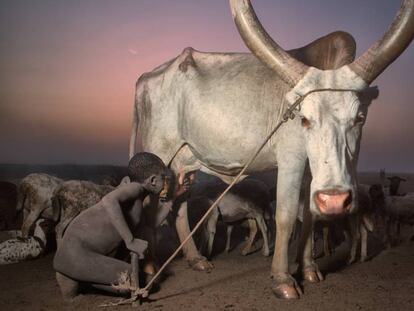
{"x":333,"y":103}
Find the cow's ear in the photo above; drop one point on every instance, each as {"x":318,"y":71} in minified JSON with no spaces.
{"x":368,"y":95}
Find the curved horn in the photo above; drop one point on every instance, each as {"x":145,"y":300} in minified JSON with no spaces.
{"x":262,"y":45}
{"x":383,"y":52}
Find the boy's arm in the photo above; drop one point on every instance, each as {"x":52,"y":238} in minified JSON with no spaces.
{"x":111,"y":204}
{"x":163,"y":210}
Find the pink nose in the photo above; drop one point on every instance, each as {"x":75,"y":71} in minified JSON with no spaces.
{"x":333,"y":202}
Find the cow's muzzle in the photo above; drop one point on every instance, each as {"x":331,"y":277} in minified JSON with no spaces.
{"x":333,"y":202}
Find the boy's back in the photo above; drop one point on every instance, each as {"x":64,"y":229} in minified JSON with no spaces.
{"x":94,"y":229}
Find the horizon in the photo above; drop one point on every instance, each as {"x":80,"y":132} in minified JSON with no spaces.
{"x":124,"y":166}
{"x":69,"y":70}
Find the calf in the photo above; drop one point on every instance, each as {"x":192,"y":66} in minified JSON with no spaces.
{"x":394,"y":211}
{"x":395,"y":182}
{"x":248,"y":199}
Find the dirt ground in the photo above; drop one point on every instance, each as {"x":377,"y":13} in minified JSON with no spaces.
{"x":385,"y":282}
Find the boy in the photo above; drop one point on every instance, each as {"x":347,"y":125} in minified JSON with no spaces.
{"x":84,"y":254}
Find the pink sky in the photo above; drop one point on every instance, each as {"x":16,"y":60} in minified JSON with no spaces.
{"x":68,"y":70}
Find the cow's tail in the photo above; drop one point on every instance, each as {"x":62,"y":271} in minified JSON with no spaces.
{"x":135,"y":123}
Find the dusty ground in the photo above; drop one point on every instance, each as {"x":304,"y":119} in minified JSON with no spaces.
{"x":237,"y":283}
{"x":386,"y":282}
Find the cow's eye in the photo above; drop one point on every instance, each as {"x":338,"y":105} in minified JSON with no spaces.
{"x":360,"y":119}
{"x":305,"y":123}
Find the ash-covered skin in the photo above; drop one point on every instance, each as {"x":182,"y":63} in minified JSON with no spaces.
{"x":85,"y":251}
{"x":73,"y":197}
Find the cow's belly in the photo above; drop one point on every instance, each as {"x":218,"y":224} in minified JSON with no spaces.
{"x":232,"y":164}
{"x":225,"y":143}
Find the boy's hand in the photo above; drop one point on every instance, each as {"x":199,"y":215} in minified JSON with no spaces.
{"x":138,"y":246}
{"x":183,"y":187}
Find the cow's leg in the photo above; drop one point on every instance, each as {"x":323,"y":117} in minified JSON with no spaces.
{"x":398,"y":231}
{"x":185,"y":162}
{"x":310,"y":270}
{"x":364,"y":241}
{"x":196,"y":261}
{"x":263,"y":229}
{"x":386,"y":237}
{"x":247,"y":249}
{"x":228,"y":240}
{"x":326,"y":245}
{"x":288,"y":190}
{"x":211,"y":228}
{"x":204,"y":240}
{"x":355,"y":237}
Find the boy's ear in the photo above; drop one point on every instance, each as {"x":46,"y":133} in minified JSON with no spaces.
{"x":153,"y":180}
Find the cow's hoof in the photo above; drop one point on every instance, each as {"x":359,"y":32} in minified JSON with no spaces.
{"x":266,"y":252}
{"x":351,"y":260}
{"x":249,"y":249}
{"x":246,"y":251}
{"x":286,"y":287}
{"x":312,"y":274}
{"x":201,"y":264}
{"x":285,"y":291}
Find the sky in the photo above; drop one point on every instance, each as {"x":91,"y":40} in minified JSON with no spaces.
{"x":68,"y":69}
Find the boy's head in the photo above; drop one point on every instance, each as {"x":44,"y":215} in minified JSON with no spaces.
{"x":148,"y":169}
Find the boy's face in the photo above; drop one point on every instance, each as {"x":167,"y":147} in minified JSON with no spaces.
{"x":157,"y":183}
{"x":165,"y":192}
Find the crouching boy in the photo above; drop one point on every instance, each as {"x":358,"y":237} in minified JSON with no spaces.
{"x":85,"y":253}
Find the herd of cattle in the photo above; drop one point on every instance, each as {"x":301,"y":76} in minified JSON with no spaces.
{"x":48,"y":205}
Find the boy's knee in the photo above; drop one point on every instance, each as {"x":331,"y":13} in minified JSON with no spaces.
{"x":68,"y":287}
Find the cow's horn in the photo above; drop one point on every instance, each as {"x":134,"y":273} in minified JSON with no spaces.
{"x":261,"y":44}
{"x":383,"y":52}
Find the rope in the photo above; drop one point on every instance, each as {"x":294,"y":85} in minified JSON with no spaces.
{"x":288,"y":114}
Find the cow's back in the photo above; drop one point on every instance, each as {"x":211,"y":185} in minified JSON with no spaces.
{"x":206,"y":100}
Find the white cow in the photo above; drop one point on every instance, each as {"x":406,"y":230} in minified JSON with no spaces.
{"x":211,"y":111}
